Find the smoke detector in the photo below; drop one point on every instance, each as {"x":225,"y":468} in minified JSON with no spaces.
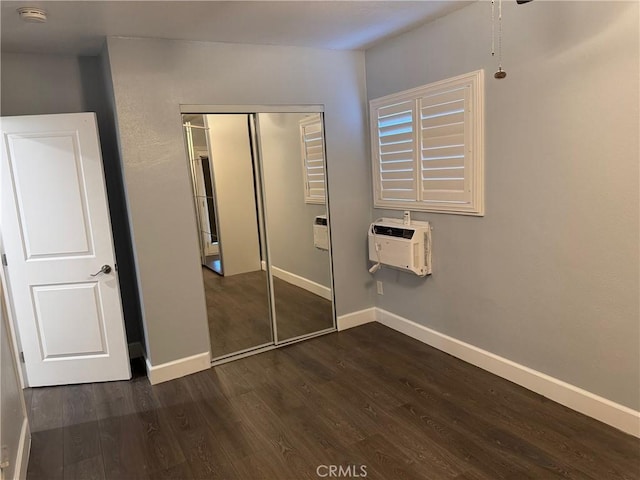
{"x":32,"y":14}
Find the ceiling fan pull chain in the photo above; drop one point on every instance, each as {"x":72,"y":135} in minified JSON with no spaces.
{"x":493,"y":28}
{"x":500,"y":73}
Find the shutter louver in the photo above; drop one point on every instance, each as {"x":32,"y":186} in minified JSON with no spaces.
{"x":396,"y":152}
{"x":443,"y":164}
{"x":312,"y":139}
{"x":427,"y":147}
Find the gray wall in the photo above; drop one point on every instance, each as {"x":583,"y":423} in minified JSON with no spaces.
{"x":151,"y":78}
{"x":47,"y":84}
{"x":41,"y":84}
{"x":104,"y":102}
{"x":549,"y":277}
{"x":289,"y":218}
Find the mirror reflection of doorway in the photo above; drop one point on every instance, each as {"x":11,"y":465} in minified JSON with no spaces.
{"x":203,"y":192}
{"x":260,"y":198}
{"x":235,"y":278}
{"x":211,"y":246}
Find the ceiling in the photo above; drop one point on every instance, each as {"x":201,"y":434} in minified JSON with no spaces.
{"x":79,"y":27}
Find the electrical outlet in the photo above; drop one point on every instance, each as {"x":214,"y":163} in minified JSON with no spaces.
{"x":379,"y":287}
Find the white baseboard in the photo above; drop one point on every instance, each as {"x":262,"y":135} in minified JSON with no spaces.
{"x":611,"y":413}
{"x":178,"y":368}
{"x":355,"y":319}
{"x":24,"y":449}
{"x":305,"y":283}
{"x":135,"y":350}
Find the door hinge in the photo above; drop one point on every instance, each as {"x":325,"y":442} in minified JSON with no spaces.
{"x":22,"y":357}
{"x":4,"y":260}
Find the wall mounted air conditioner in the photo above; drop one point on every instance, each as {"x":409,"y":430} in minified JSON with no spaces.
{"x":321,"y":232}
{"x":405,"y":247}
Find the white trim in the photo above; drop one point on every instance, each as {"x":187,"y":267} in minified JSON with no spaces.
{"x":355,"y":319}
{"x":24,"y":449}
{"x":177,"y":368}
{"x":263,"y":265}
{"x":595,"y":406}
{"x":305,"y":283}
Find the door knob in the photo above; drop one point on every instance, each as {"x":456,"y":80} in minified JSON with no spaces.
{"x":104,"y":269}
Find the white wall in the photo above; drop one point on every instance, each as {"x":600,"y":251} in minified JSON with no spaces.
{"x":151,"y":78}
{"x":549,"y":277}
{"x":237,"y":217}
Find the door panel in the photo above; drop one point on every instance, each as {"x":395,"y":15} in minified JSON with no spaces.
{"x":300,"y":267}
{"x":52,"y":213}
{"x":65,"y":331}
{"x":57,"y":234}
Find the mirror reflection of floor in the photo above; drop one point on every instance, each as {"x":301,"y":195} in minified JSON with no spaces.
{"x":238,"y":311}
{"x":300,"y":312}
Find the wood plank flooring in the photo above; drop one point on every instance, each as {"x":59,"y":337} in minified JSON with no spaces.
{"x":238,"y":311}
{"x":366,"y":398}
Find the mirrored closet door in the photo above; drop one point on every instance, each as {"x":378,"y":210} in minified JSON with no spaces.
{"x":292,"y":153}
{"x":259,"y":190}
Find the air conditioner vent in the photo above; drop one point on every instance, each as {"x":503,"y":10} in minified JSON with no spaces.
{"x":387,"y":231}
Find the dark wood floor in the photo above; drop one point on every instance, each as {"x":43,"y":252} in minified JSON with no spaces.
{"x":298,"y":311}
{"x":367,"y":397}
{"x":238,"y":311}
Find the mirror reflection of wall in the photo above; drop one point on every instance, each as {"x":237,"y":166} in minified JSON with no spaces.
{"x":293,"y":163}
{"x":259,"y":192}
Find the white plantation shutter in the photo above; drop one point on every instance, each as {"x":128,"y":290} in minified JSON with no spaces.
{"x":396,"y":149}
{"x":312,"y":143}
{"x":427,"y":147}
{"x":442,"y":139}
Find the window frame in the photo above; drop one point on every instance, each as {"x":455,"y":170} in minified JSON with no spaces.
{"x":473,"y":204}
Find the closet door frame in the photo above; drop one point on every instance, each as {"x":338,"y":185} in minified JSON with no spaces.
{"x":253,"y":111}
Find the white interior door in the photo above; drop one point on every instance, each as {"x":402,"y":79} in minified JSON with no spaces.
{"x":57,"y":236}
